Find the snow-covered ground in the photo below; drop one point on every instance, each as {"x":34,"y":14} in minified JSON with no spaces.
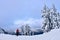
{"x":52,"y":35}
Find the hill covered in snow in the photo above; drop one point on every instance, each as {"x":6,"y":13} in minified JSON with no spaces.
{"x":52,"y":35}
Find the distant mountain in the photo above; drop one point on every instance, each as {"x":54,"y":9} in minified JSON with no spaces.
{"x":1,"y":31}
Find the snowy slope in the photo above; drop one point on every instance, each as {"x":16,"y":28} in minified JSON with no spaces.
{"x":52,"y":35}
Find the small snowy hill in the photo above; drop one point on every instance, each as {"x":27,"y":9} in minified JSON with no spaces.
{"x":52,"y":35}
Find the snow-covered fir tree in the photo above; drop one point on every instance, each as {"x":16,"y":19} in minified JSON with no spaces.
{"x":45,"y":16}
{"x":51,"y":18}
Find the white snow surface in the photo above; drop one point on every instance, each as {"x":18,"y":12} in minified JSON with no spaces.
{"x":52,"y":35}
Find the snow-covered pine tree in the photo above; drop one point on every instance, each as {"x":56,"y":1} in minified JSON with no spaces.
{"x":55,"y":17}
{"x":46,"y":17}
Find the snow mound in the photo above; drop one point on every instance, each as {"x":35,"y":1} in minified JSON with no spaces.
{"x":52,"y":35}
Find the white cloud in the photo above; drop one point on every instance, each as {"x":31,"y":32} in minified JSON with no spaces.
{"x":32,"y":22}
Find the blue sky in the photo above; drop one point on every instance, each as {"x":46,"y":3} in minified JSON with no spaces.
{"x":13,"y":10}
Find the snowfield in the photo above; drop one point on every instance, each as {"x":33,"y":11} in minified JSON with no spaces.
{"x":52,"y":35}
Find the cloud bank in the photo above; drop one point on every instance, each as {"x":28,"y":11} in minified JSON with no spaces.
{"x":34,"y":23}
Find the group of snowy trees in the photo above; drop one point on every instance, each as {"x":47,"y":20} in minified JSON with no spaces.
{"x":25,"y":30}
{"x":51,"y":18}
